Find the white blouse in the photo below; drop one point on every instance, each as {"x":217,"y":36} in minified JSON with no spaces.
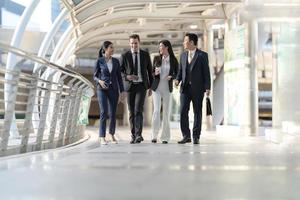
{"x":165,"y":67}
{"x":109,"y":65}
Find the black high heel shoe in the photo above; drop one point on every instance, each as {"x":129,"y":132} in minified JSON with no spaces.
{"x":154,"y":140}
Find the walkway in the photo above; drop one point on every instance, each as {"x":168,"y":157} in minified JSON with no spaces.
{"x":239,"y":168}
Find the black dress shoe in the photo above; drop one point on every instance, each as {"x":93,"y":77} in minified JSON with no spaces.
{"x":138,"y":139}
{"x":185,"y":140}
{"x":154,"y":140}
{"x":164,"y":142}
{"x":196,"y":141}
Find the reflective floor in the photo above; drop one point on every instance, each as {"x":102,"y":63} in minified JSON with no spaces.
{"x":236,"y":168}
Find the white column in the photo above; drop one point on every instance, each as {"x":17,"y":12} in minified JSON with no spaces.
{"x":208,"y":47}
{"x":253,"y":48}
{"x":286,"y":82}
{"x":50,"y":35}
{"x":60,"y":44}
{"x":10,"y":91}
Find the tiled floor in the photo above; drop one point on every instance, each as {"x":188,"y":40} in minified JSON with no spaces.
{"x":236,"y":168}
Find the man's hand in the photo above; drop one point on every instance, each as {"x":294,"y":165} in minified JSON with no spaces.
{"x":103,"y":84}
{"x":132,"y":77}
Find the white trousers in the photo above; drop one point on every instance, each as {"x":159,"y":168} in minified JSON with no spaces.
{"x":162,"y":93}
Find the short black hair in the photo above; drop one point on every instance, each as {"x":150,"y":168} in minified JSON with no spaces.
{"x":134,"y":36}
{"x":192,"y":37}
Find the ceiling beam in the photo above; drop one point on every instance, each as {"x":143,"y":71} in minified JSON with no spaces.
{"x":93,"y":6}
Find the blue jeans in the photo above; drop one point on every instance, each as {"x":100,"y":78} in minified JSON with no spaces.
{"x":108,"y":101}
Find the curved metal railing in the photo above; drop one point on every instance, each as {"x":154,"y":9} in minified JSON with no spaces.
{"x":39,"y":109}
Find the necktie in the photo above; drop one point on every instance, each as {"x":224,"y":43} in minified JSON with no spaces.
{"x":135,"y":66}
{"x":190,"y":57}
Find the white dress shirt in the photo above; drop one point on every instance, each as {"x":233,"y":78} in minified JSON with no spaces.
{"x":191,"y":55}
{"x":139,"y":65}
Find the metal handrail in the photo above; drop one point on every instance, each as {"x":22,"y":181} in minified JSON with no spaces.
{"x":51,"y":111}
{"x":45,"y":62}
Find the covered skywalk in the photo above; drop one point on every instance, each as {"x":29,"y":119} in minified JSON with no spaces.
{"x":49,"y":148}
{"x":46,"y":93}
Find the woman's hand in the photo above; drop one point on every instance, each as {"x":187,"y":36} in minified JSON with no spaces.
{"x":149,"y":92}
{"x":122,"y":97}
{"x":168,"y":78}
{"x":176,"y":83}
{"x":207,"y":92}
{"x":103,"y":84}
{"x":157,"y":71}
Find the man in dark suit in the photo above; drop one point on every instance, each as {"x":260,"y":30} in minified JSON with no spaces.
{"x":194,"y":76}
{"x":136,"y":68}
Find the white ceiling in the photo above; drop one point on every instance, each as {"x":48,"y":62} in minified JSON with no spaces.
{"x":114,"y":20}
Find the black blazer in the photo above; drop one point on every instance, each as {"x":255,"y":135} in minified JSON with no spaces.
{"x":127,"y":69}
{"x":200,"y":74}
{"x":114,"y":77}
{"x":173,"y":71}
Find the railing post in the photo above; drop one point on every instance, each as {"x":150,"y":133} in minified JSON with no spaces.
{"x":55,"y":113}
{"x":73,"y":134}
{"x":64,"y":115}
{"x":43,"y":115}
{"x":71,"y":115}
{"x":28,"y":117}
{"x":10,"y":100}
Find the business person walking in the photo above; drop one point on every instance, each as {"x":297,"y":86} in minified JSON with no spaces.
{"x":165,"y":69}
{"x":194,"y":76}
{"x":109,"y":84}
{"x":137,"y":74}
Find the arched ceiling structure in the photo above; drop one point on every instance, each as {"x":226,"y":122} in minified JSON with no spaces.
{"x":97,"y":20}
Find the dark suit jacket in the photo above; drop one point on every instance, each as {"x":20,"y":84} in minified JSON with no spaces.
{"x":200,"y":75}
{"x":172,"y":72}
{"x":114,"y":77}
{"x":146,"y":68}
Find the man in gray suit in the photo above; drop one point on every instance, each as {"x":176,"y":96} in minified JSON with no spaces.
{"x":194,"y":76}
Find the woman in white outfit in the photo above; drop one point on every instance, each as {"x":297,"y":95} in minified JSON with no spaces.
{"x":165,"y":68}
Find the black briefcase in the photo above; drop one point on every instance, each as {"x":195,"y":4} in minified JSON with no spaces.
{"x":208,"y":107}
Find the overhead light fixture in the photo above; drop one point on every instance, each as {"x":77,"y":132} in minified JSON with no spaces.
{"x":141,"y":21}
{"x":217,"y":26}
{"x":193,"y":26}
{"x":282,"y":4}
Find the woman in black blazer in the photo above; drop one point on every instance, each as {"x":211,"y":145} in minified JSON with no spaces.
{"x":165,"y":68}
{"x":109,"y":84}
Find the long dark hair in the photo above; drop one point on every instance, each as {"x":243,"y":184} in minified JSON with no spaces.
{"x":104,"y":46}
{"x":166,"y":43}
